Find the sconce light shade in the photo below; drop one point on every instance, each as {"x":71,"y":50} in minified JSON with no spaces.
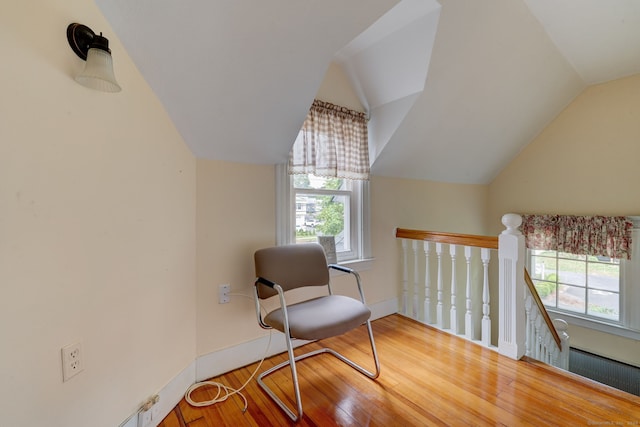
{"x":98,"y":71}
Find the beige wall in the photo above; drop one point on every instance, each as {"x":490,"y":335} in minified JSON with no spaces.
{"x":584,"y":163}
{"x":97,"y":229}
{"x":421,"y":205}
{"x":235,"y":216}
{"x":428,"y":205}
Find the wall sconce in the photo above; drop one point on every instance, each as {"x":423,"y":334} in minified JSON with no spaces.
{"x":98,"y":70}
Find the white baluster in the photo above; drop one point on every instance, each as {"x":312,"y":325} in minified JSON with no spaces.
{"x":439,"y":307}
{"x":545,"y":346}
{"x":527,"y":309}
{"x":468,"y":317}
{"x":427,"y":285}
{"x":416,"y":277}
{"x":533,"y":335}
{"x":485,"y":255}
{"x":453,"y":311}
{"x":553,"y":351}
{"x":538,"y":353}
{"x":563,"y":356}
{"x":405,"y":276}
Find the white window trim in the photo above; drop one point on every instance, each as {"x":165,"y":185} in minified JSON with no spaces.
{"x":608,"y":328}
{"x":285,"y":214}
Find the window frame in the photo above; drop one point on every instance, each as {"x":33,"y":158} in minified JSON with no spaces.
{"x":586,"y":287}
{"x":359,"y":225}
{"x":352,"y":217}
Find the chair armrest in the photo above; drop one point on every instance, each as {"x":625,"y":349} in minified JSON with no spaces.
{"x":265,"y":282}
{"x":342,"y":268}
{"x":355,"y":274}
{"x":272,"y":285}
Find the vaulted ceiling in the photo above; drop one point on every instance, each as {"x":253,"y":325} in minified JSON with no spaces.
{"x":455,"y":88}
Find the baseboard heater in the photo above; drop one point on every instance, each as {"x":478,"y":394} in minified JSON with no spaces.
{"x":606,"y":371}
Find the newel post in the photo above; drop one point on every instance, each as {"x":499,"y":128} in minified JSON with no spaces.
{"x":511,"y":253}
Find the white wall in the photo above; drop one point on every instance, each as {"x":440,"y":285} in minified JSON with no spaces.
{"x":97,"y":229}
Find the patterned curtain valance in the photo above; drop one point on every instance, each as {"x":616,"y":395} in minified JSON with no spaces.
{"x":583,"y":235}
{"x":333,"y":142}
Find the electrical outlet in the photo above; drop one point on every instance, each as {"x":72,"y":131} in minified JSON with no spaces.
{"x":145,"y":418}
{"x":223,"y":293}
{"x":149,"y":412}
{"x":155,"y":414}
{"x":72,"y":360}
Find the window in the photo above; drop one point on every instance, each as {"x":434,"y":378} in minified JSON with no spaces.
{"x":311,"y":206}
{"x":595,"y":292}
{"x":324,"y":188}
{"x":582,"y":284}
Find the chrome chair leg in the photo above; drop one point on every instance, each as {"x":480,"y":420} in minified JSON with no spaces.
{"x":294,"y":375}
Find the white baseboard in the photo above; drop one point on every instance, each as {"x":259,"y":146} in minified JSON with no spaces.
{"x":228,"y":359}
{"x":384,"y":308}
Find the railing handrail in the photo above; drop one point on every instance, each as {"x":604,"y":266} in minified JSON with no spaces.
{"x":542,"y":308}
{"x":489,"y":242}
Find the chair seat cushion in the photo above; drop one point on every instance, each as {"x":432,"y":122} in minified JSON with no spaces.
{"x":320,"y":318}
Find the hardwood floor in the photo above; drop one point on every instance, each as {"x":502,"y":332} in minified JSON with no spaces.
{"x":428,"y":378}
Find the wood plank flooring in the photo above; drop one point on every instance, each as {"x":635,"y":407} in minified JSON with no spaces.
{"x":428,"y":378}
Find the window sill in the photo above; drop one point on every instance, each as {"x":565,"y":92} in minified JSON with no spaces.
{"x":358,"y":265}
{"x":608,"y":328}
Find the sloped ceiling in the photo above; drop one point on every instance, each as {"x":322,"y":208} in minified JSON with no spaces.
{"x":455,"y":88}
{"x":237,"y":77}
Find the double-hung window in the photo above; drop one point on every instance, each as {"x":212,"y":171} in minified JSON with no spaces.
{"x":586,"y":285}
{"x":323,"y":190}
{"x":310,"y":206}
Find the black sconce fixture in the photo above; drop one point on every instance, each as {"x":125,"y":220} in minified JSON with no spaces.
{"x":98,"y":70}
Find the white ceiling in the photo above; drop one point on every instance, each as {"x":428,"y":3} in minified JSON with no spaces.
{"x":455,"y":88}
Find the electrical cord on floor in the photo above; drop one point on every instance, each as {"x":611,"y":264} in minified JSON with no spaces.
{"x":224,"y":392}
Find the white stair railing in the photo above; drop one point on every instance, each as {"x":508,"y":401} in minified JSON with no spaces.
{"x":541,"y":342}
{"x":460,"y":304}
{"x":455,"y":294}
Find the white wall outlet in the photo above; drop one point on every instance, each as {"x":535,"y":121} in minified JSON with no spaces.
{"x":223,"y":293}
{"x":149,"y":412}
{"x":145,"y":418}
{"x":155,"y":414}
{"x":72,"y":360}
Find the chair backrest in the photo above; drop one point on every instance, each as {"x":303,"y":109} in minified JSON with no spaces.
{"x":291,"y":266}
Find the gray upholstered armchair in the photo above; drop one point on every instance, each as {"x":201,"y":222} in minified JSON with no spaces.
{"x":283,"y":268}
